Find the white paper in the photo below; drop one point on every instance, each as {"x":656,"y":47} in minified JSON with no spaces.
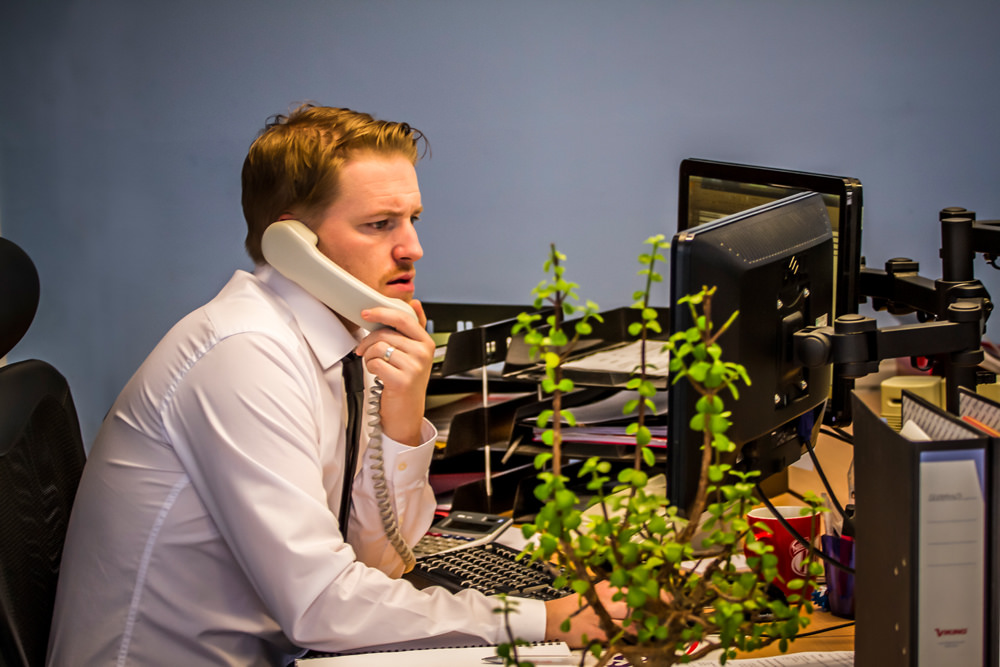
{"x":824,"y":659}
{"x":625,"y":359}
{"x":464,"y":656}
{"x":952,"y":563}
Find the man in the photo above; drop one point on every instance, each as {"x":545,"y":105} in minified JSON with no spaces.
{"x":205,"y":529}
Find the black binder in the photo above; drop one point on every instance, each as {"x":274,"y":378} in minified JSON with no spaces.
{"x":987,"y":413}
{"x":926,"y":550}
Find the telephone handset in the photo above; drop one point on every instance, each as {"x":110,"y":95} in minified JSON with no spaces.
{"x":290,"y":247}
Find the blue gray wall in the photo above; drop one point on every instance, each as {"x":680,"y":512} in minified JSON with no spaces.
{"x":123,"y":126}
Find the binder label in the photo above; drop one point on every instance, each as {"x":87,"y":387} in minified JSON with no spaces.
{"x":952,"y":558}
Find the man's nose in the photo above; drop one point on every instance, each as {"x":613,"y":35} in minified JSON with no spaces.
{"x":408,"y":244}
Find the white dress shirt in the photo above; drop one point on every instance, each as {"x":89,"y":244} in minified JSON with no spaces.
{"x":204,"y":531}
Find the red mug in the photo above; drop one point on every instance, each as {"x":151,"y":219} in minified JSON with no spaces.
{"x":792,"y":555}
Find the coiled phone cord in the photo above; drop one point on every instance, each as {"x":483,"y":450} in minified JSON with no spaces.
{"x":388,"y":514}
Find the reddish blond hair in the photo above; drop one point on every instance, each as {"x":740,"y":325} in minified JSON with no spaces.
{"x":294,"y":164}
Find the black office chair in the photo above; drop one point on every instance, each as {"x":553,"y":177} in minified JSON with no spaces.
{"x":41,"y":460}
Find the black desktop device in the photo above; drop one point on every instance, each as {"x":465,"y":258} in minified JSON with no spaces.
{"x":710,"y":190}
{"x":773,"y":264}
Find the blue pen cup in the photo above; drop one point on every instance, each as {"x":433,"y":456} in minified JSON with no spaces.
{"x":839,"y":584}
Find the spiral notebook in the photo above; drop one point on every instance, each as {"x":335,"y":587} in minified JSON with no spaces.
{"x":456,"y":656}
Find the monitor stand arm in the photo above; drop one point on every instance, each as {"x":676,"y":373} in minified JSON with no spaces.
{"x":857,"y":345}
{"x":900,"y":290}
{"x":952,"y":312}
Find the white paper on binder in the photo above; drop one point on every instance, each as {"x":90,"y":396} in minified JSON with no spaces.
{"x":952,"y":555}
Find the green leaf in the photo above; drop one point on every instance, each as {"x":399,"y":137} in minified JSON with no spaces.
{"x":565,"y":499}
{"x":699,"y":371}
{"x":719,"y":423}
{"x":697,"y":422}
{"x":635,"y":598}
{"x":709,"y":404}
{"x":648,"y":457}
{"x":716,"y":375}
{"x":543,"y":418}
{"x":673,"y":552}
{"x":722,"y":443}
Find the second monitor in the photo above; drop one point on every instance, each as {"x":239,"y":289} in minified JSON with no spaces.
{"x":773,"y":264}
{"x":710,"y":190}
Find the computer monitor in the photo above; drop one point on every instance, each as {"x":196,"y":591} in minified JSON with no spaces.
{"x":773,"y":264}
{"x":710,"y":190}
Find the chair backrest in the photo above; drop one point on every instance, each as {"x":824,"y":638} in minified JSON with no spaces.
{"x":41,"y":460}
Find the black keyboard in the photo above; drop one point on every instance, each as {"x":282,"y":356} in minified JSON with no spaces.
{"x":489,"y":568}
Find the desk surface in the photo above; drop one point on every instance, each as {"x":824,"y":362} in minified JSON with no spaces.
{"x":833,"y":638}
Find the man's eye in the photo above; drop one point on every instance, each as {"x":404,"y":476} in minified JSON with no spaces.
{"x":414,"y":219}
{"x":379,"y":224}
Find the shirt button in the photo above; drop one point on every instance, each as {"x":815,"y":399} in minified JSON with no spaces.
{"x":401,"y":467}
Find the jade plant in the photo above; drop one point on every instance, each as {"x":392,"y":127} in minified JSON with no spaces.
{"x":675,"y":568}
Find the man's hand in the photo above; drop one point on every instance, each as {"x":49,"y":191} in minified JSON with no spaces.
{"x":584,"y":622}
{"x":401,"y":356}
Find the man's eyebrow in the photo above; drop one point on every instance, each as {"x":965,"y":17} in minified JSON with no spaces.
{"x":393,"y":212}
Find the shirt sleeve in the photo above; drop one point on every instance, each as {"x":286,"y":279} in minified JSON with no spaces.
{"x":245,"y":424}
{"x":407,"y":487}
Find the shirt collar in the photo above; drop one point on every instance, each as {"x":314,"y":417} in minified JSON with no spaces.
{"x":325,"y":333}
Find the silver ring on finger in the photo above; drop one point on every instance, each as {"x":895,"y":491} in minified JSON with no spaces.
{"x":388,"y":352}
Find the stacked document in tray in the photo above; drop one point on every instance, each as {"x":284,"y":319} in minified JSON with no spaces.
{"x":603,"y":422}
